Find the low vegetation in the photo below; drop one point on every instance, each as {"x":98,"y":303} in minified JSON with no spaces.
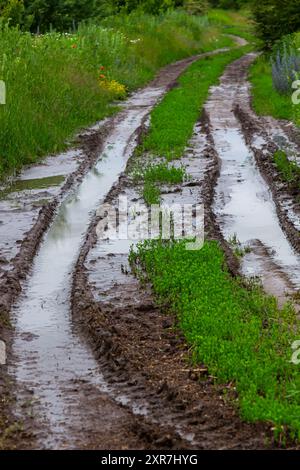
{"x":235,"y":330}
{"x":288,"y":169}
{"x":57,"y":83}
{"x":267,"y":101}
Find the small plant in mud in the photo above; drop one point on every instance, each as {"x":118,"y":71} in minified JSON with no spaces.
{"x":151,"y":193}
{"x":238,"y":249}
{"x":288,"y":169}
{"x":155,"y":174}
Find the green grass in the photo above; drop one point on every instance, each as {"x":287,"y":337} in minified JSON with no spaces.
{"x":238,"y":332}
{"x":164,"y":173}
{"x":154,"y":174}
{"x":289,"y":170}
{"x":173,"y":120}
{"x":266,"y":100}
{"x":53,"y":80}
{"x":237,"y":23}
{"x":151,"y":193}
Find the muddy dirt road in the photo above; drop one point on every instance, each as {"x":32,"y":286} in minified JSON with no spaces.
{"x":94,"y":363}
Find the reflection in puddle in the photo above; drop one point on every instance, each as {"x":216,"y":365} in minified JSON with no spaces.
{"x":31,"y":185}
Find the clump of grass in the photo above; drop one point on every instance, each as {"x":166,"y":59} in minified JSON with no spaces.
{"x":238,"y":249}
{"x":289,"y":170}
{"x":239,"y":333}
{"x":164,"y":173}
{"x":156,"y":174}
{"x":151,"y":193}
{"x":173,"y":120}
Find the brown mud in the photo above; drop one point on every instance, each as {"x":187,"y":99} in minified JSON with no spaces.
{"x":139,"y":347}
{"x":246,"y":205}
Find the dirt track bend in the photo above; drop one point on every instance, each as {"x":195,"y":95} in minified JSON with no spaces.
{"x":137,"y":391}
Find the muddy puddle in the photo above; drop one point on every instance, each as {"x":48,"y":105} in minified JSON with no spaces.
{"x":22,"y":198}
{"x":244,"y":205}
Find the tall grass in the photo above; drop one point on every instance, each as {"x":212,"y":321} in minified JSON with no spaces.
{"x":53,"y":80}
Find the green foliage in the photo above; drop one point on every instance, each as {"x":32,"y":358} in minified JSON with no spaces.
{"x":151,"y":193}
{"x":64,"y":15}
{"x":161,"y":173}
{"x":152,"y":7}
{"x":53,"y":80}
{"x":239,"y":333}
{"x":289,"y":169}
{"x":196,"y":7}
{"x":266,"y":100}
{"x":275,"y":18}
{"x":229,"y":4}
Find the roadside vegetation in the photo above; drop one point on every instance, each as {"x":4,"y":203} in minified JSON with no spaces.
{"x":59,"y":82}
{"x":276,"y":70}
{"x":288,"y":169}
{"x":234,"y":329}
{"x":273,"y":75}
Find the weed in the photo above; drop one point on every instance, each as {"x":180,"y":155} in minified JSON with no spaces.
{"x":151,"y":193}
{"x":288,"y":169}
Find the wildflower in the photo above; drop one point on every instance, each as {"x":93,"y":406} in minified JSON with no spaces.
{"x":102,"y":67}
{"x":102,"y":77}
{"x":112,"y":86}
{"x":74,"y":46}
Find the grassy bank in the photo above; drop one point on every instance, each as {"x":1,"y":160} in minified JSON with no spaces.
{"x":266,"y":100}
{"x":53,"y":81}
{"x":238,"y":332}
{"x":238,"y":23}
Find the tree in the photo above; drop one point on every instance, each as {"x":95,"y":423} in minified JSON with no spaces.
{"x":12,"y":11}
{"x":276,"y":18}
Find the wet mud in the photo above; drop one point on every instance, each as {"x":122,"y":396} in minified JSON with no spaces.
{"x":94,"y":363}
